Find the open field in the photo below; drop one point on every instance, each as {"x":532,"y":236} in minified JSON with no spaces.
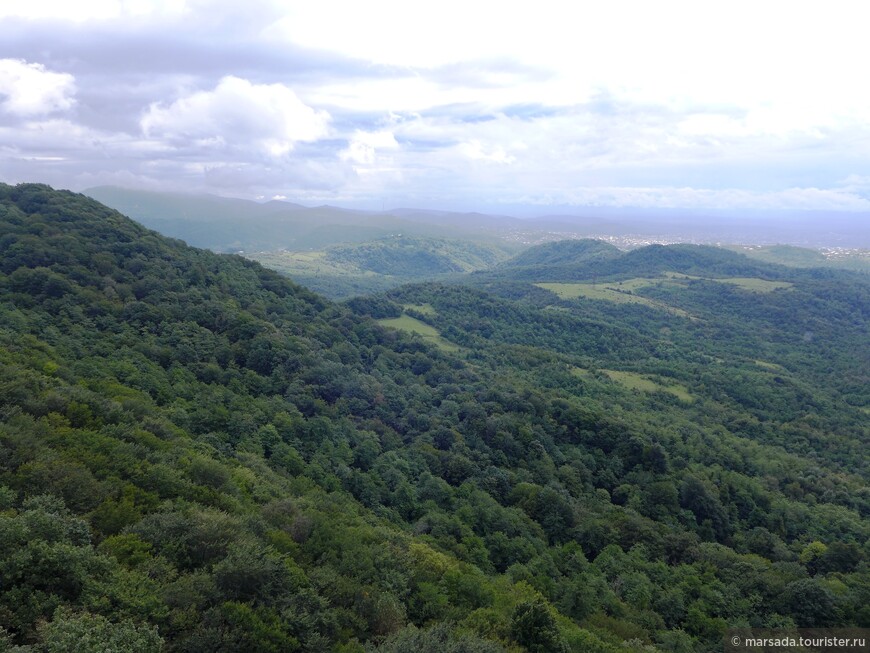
{"x":307,"y":263}
{"x":413,"y":325}
{"x":755,"y":285}
{"x":636,"y":381}
{"x":641,"y":383}
{"x":619,"y":292}
{"x":623,"y":292}
{"x":425,"y":309}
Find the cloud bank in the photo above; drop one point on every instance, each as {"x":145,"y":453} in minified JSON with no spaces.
{"x":237,"y":116}
{"x":28,"y":89}
{"x":466,"y":105}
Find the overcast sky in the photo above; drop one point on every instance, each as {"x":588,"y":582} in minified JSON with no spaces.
{"x":464,"y":104}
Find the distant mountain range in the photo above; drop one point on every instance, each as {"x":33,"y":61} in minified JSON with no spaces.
{"x":226,"y":224}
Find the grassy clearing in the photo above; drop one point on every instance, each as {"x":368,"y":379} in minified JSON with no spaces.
{"x":307,"y":264}
{"x":753,"y":284}
{"x":630,"y":285}
{"x":425,"y":309}
{"x":639,"y":382}
{"x":619,"y":292}
{"x":412,"y":325}
{"x":622,"y":292}
{"x":634,"y":381}
{"x":770,"y":366}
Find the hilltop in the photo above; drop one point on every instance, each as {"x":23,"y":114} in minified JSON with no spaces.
{"x":564,"y":252}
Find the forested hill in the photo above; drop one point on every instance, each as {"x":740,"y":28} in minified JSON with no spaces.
{"x":198,"y":455}
{"x":576,"y":260}
{"x":563,"y":253}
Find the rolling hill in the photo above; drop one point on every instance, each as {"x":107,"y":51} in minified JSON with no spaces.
{"x":197,"y":454}
{"x":564,"y":252}
{"x":590,"y":259}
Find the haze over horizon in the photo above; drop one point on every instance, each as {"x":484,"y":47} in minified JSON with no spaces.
{"x":471,"y":106}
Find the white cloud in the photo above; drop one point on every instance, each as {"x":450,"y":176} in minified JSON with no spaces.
{"x":857,"y":184}
{"x":476,"y":151}
{"x":627,"y":101}
{"x":635,"y":39}
{"x":236,"y":114}
{"x":87,"y":10}
{"x":712,"y":124}
{"x":363,"y":148}
{"x":60,"y":139}
{"x":28,"y":89}
{"x":793,"y":65}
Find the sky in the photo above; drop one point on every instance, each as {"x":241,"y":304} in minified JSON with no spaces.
{"x":464,"y":105}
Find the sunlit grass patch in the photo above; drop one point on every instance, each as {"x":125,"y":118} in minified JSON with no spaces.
{"x":307,"y":263}
{"x":619,"y":292}
{"x":753,"y":284}
{"x":426,"y":331}
{"x":634,"y":381}
{"x":770,"y":366}
{"x":425,"y":309}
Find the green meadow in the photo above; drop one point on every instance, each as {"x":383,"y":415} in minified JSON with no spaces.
{"x":412,"y":325}
{"x":641,"y":383}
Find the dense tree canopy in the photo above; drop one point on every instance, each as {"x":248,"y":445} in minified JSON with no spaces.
{"x":198,"y":455}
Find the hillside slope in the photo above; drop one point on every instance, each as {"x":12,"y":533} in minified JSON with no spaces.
{"x":197,"y":454}
{"x":564,"y":252}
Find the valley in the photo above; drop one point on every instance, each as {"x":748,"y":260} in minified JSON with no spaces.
{"x":566,"y":448}
{"x":341,"y":253}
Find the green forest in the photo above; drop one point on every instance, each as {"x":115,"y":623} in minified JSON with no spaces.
{"x":577,"y":450}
